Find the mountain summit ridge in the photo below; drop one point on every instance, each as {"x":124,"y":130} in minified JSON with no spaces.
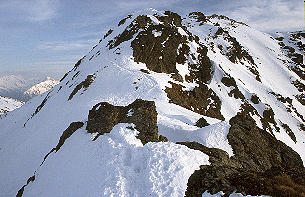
{"x":208,"y":68}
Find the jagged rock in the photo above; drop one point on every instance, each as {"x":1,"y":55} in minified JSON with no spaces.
{"x":261,"y":165}
{"x":21,"y":190}
{"x":228,"y":81}
{"x":65,"y":135}
{"x":255,"y":99}
{"x":199,"y":16}
{"x":68,"y":132}
{"x":257,"y":149}
{"x":84,"y":84}
{"x":289,"y":132}
{"x":268,"y":118}
{"x":196,"y":100}
{"x":104,"y":116}
{"x":159,"y":53}
{"x":202,"y":123}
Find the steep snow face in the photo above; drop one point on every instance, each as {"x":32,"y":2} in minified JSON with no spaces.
{"x":41,"y":87}
{"x":293,"y":45}
{"x":198,"y":67}
{"x":9,"y":104}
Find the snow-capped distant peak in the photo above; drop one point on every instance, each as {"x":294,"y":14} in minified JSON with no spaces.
{"x":42,"y":87}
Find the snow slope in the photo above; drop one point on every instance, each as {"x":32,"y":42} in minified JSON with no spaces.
{"x":117,"y":163}
{"x":9,"y":104}
{"x":41,"y":87}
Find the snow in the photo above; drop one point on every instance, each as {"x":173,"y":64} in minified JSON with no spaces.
{"x":129,"y":113}
{"x":14,"y":84}
{"x":157,"y":33}
{"x":214,"y":135}
{"x":41,"y":87}
{"x":219,"y":194}
{"x":9,"y":104}
{"x":183,"y":70}
{"x":117,"y":164}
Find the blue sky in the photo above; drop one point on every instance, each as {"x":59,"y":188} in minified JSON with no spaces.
{"x":54,"y":34}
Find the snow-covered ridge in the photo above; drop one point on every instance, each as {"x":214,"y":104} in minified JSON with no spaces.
{"x":41,"y":87}
{"x":9,"y":104}
{"x":232,"y":66}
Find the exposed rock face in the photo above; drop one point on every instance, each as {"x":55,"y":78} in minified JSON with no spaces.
{"x":148,"y":49}
{"x":68,"y":132}
{"x":261,"y":165}
{"x":21,"y":190}
{"x":268,"y":118}
{"x":292,"y":45}
{"x":257,"y":149}
{"x":74,"y":126}
{"x":202,"y":123}
{"x":236,"y":52}
{"x":255,"y":99}
{"x":230,"y":82}
{"x":84,"y":84}
{"x":196,"y":100}
{"x":163,"y":48}
{"x":104,"y":116}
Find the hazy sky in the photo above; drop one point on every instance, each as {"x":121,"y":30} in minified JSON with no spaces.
{"x":54,"y":34}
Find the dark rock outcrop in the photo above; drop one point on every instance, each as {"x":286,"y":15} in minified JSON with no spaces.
{"x":261,"y":165}
{"x":84,"y":84}
{"x":202,"y":123}
{"x":230,"y":82}
{"x":68,"y":132}
{"x":65,"y":135}
{"x":268,"y":120}
{"x":255,"y":99}
{"x":162,"y":47}
{"x":201,"y":99}
{"x":21,"y":190}
{"x":104,"y":116}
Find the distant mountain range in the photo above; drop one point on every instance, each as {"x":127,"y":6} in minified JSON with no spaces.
{"x":24,"y":88}
{"x":41,"y":87}
{"x":13,"y":85}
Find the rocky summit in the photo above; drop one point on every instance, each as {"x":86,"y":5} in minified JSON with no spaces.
{"x":166,"y":105}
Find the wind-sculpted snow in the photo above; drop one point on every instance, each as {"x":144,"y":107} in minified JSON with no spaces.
{"x":115,"y":164}
{"x":193,"y":68}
